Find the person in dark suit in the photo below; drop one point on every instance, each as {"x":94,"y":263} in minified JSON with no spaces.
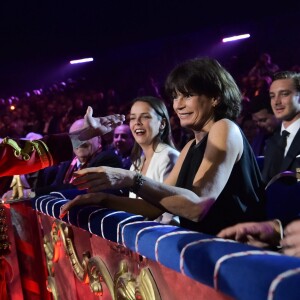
{"x":285,"y":102}
{"x":123,"y":143}
{"x":87,"y":155}
{"x":265,"y":120}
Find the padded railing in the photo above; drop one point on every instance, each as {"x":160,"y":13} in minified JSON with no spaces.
{"x":236,"y":269}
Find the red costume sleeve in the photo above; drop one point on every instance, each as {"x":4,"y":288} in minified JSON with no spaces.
{"x":33,"y":155}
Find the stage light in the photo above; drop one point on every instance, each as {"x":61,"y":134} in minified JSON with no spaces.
{"x":82,"y":60}
{"x":236,"y":37}
{"x":12,"y":107}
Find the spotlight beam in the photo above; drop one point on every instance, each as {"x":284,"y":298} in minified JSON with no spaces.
{"x":236,"y":37}
{"x":82,"y":60}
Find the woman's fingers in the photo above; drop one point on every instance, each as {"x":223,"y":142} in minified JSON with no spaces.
{"x":86,"y":199}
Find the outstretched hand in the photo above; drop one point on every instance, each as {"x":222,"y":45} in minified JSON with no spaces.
{"x":99,"y":126}
{"x":97,"y":179}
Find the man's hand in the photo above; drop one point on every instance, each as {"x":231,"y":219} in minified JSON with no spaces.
{"x":99,"y":126}
{"x":95,"y":127}
{"x":259,"y":234}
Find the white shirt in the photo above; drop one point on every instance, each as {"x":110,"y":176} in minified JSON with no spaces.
{"x":160,"y":166}
{"x":292,"y":129}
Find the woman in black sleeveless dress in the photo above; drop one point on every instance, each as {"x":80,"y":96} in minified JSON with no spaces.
{"x":216,"y":181}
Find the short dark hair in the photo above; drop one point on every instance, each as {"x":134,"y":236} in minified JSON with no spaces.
{"x":260,"y":102}
{"x":288,"y":75}
{"x":206,"y":76}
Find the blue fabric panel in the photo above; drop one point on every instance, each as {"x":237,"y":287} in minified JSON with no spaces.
{"x":79,"y":215}
{"x":235,"y":269}
{"x":110,"y":224}
{"x":205,"y":255}
{"x":288,"y":288}
{"x":239,"y":275}
{"x":44,"y":203}
{"x":283,"y":200}
{"x":147,"y":239}
{"x":130,"y":231}
{"x":95,"y":218}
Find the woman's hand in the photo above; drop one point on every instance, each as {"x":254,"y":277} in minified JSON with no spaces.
{"x":86,"y":199}
{"x":101,"y":178}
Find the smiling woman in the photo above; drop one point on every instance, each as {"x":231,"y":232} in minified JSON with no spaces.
{"x":215,"y":181}
{"x":154,"y":154}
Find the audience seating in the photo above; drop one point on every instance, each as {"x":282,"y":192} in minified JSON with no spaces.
{"x":235,"y":269}
{"x":283,"y":197}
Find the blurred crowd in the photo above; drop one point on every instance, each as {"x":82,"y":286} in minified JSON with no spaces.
{"x":54,"y":109}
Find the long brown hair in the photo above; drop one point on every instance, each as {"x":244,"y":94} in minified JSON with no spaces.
{"x":164,"y":135}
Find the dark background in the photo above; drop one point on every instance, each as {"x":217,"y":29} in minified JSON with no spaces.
{"x":132,"y":40}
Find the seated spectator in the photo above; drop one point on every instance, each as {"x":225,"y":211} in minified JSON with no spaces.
{"x":283,"y":147}
{"x":250,"y":129}
{"x":154,"y":154}
{"x":123,"y":143}
{"x":264,"y":118}
{"x":88,"y":154}
{"x":264,"y":66}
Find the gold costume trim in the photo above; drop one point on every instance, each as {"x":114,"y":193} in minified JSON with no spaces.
{"x":30,"y":146}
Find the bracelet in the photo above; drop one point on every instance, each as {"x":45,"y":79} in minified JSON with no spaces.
{"x":138,"y":182}
{"x":280,"y":231}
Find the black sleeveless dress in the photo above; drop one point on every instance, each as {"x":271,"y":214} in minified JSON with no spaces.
{"x":242,"y":199}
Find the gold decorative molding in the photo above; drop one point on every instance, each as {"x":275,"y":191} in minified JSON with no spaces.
{"x":79,"y":268}
{"x":97,"y":273}
{"x":51,"y":248}
{"x":130,"y":287}
{"x":147,"y":288}
{"x":52,"y":288}
{"x":125,"y":285}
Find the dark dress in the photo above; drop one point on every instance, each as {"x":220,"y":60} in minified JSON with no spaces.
{"x":242,"y":199}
